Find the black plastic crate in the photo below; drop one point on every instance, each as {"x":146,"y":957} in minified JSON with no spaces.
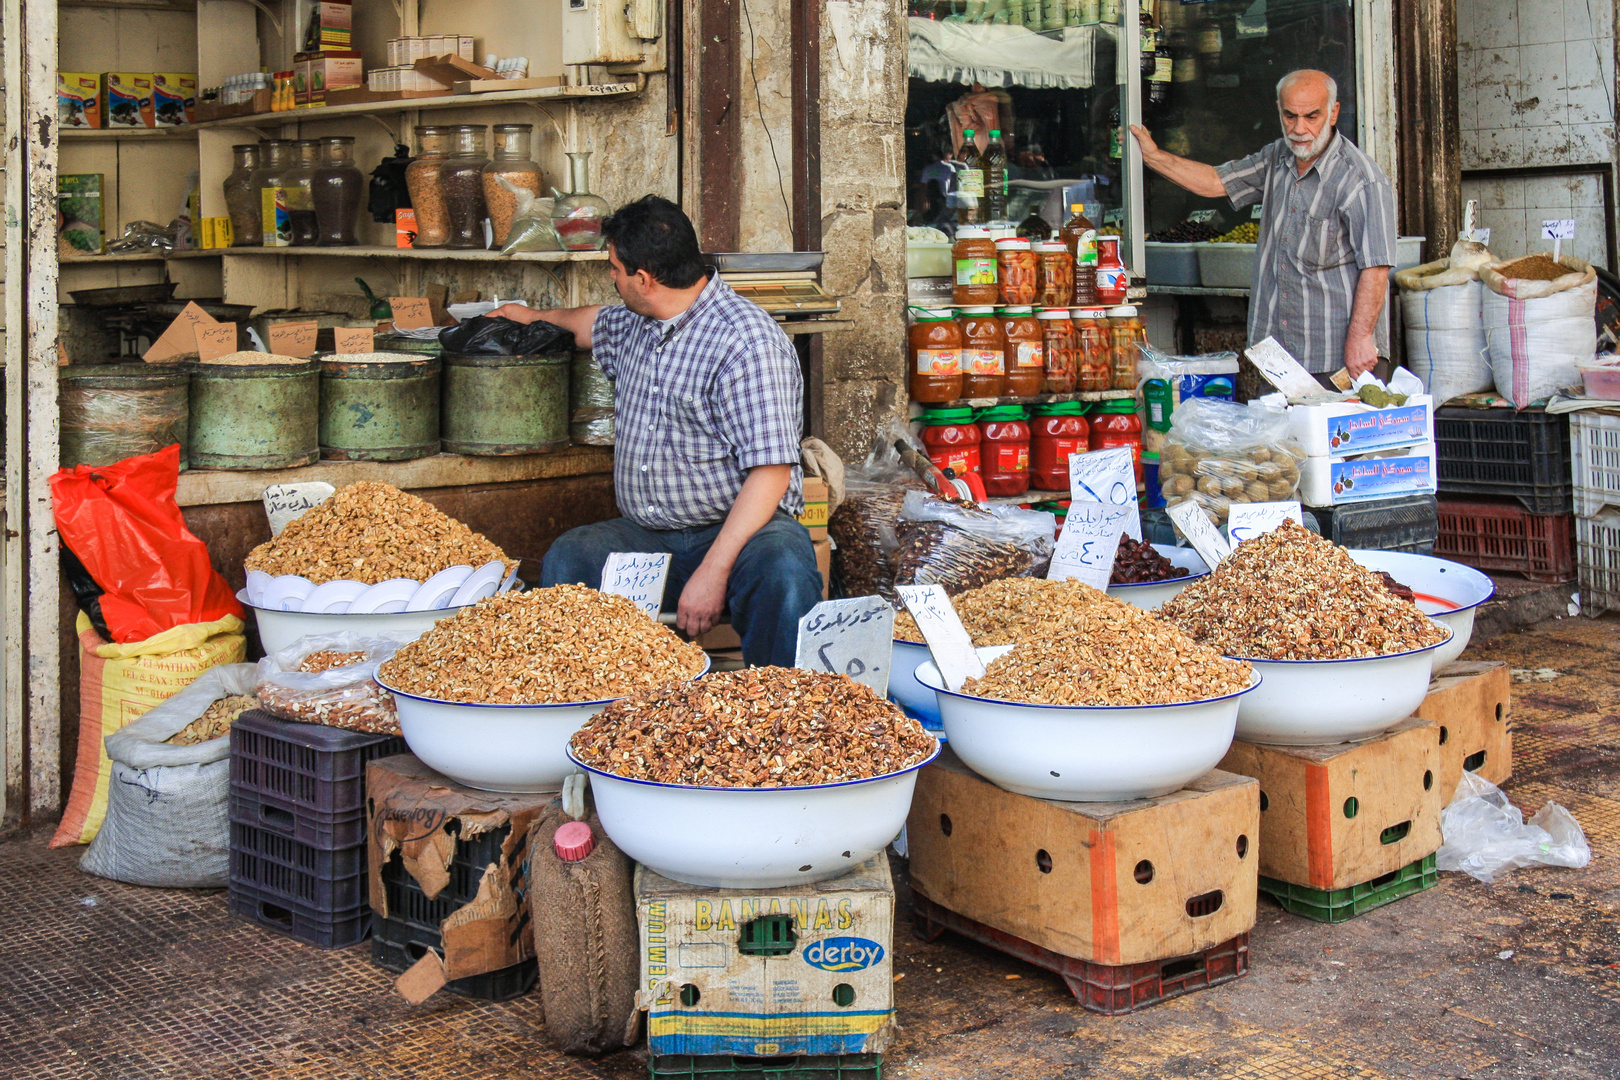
{"x":304,"y":767}
{"x":408,"y":902}
{"x":727,"y":1067}
{"x":330,"y":831}
{"x":323,"y":929}
{"x":1408,"y":523}
{"x":397,"y":944}
{"x":321,"y":880}
{"x":1523,"y":454}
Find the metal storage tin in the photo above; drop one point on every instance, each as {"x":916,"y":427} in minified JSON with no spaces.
{"x":379,"y":410}
{"x":255,"y":416}
{"x":500,"y":405}
{"x":114,"y":411}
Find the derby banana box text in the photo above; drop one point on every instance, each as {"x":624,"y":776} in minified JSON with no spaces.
{"x":799,"y":970}
{"x":1471,"y":701}
{"x":1346,"y":814}
{"x":1108,"y":883}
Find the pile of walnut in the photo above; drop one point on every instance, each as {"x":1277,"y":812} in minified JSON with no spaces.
{"x":371,"y":532}
{"x":354,"y":705}
{"x":1291,"y":595}
{"x":544,"y":647}
{"x":757,"y":728}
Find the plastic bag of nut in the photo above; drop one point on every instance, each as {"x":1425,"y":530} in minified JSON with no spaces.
{"x":962,"y":546}
{"x":330,"y":679}
{"x":863,"y":526}
{"x":1219,"y":453}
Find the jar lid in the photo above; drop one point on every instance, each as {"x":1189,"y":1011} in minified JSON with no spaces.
{"x":1017,"y":309}
{"x":1004,"y":412}
{"x":1124,"y":311}
{"x":936,"y":417}
{"x":1051,"y":246}
{"x":979,"y":310}
{"x":573,"y":841}
{"x":1012,"y":245}
{"x":1094,"y":313}
{"x":1062,"y":408}
{"x":935,"y":316}
{"x":973,"y":232}
{"x":1052,"y":313}
{"x":1117,"y":405}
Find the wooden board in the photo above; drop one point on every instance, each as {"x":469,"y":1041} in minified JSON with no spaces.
{"x":1471,"y":701}
{"x":1065,"y":876}
{"x":1306,"y":835}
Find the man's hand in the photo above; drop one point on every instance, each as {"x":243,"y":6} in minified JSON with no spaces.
{"x":1360,"y":354}
{"x":1145,"y":141}
{"x":517,"y":313}
{"x":703,"y":599}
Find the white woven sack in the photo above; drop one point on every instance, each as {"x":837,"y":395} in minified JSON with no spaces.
{"x":1535,"y":343}
{"x":1445,"y":339}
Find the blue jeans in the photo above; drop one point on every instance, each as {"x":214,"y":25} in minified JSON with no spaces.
{"x":772,"y":586}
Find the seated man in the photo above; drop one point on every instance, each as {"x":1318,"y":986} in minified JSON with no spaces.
{"x":708,"y":407}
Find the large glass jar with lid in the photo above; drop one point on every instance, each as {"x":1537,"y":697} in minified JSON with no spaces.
{"x":276,"y":157}
{"x":422,"y":180}
{"x":462,"y":177}
{"x":509,"y":161}
{"x":578,"y":216}
{"x":241,"y":201}
{"x":338,"y":189}
{"x":300,"y":197}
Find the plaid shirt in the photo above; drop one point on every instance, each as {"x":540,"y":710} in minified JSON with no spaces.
{"x":696,"y":405}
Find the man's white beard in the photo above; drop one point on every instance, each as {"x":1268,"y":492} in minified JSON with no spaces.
{"x":1309,"y":150}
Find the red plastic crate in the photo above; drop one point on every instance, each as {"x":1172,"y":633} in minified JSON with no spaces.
{"x":1501,"y":535}
{"x":1100,"y":988}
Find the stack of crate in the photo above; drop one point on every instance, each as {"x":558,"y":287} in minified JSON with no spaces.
{"x":1595,"y":453}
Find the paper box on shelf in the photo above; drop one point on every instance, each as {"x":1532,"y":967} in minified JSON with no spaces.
{"x":174,"y":98}
{"x":317,"y":73}
{"x":126,"y":99}
{"x":78,"y":99}
{"x":814,"y":517}
{"x":1345,"y":428}
{"x":330,"y":26}
{"x":1329,"y":481}
{"x":82,"y":227}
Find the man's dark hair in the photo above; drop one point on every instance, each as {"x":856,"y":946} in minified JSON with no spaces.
{"x":652,"y":234}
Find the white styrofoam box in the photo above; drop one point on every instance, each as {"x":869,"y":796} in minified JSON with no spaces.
{"x":1597,"y":553}
{"x":1594,"y":450}
{"x":1346,"y":428}
{"x":925,"y":260}
{"x":1331,"y":481}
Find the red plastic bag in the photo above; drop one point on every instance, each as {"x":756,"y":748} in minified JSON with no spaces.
{"x":122,"y":522}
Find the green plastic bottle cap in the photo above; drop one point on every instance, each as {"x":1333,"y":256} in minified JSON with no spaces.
{"x":1117,"y":405}
{"x":955,"y":415}
{"x":1004,"y":412}
{"x":1062,"y":408}
{"x":967,"y":133}
{"x":995,"y":133}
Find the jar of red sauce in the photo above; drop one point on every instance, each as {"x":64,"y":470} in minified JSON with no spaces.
{"x":1057,"y":339}
{"x":952,"y":439}
{"x":984,"y":353}
{"x":1015,"y":269}
{"x":1093,"y":349}
{"x":1005,"y":437}
{"x":1026,"y":354}
{"x":1058,"y":429}
{"x":1115,"y":423}
{"x":934,"y":345}
{"x":1112,"y":277}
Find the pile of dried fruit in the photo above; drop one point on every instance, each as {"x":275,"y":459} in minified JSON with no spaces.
{"x":757,"y":728}
{"x":1291,"y":595}
{"x":215,"y":721}
{"x":371,"y":532}
{"x":548,"y":646}
{"x":1137,"y":561}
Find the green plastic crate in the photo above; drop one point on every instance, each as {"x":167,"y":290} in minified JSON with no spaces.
{"x":806,"y":1067}
{"x":1340,"y":905}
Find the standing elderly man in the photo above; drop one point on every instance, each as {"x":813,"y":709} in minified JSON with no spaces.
{"x":1327,"y":229}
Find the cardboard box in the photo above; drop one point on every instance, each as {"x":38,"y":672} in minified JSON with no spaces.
{"x":824,"y":564}
{"x":1342,"y":815}
{"x":768,"y":1005}
{"x":317,"y":73}
{"x":1331,"y":481}
{"x":330,"y":26}
{"x":1343,"y":429}
{"x":1108,"y":883}
{"x":81,"y":225}
{"x":126,"y":99}
{"x":174,"y":98}
{"x":1471,"y":701}
{"x":275,"y":222}
{"x":78,"y":99}
{"x":814,"y":517}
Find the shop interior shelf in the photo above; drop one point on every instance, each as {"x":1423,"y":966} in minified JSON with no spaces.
{"x":358,"y":251}
{"x":187,"y":131}
{"x":571,"y":94}
{"x":1033,"y":399}
{"x":1194,"y":290}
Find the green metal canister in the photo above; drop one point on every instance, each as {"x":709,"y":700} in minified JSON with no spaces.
{"x":376,"y":409}
{"x":114,"y":411}
{"x":500,"y":405}
{"x":255,"y":416}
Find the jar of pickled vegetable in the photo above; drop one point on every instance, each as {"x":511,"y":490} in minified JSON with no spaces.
{"x":984,"y":353}
{"x":1015,"y":267}
{"x":1026,"y":356}
{"x":951,"y":439}
{"x":974,"y":259}
{"x":1094,"y":349}
{"x":935,"y":347}
{"x":1115,"y":423}
{"x":1054,"y":274}
{"x":1004,"y":431}
{"x":1128,"y":331}
{"x":1058,"y":430}
{"x":1057,"y":341}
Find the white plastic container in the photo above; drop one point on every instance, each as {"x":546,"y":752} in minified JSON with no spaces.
{"x":1085,"y":753}
{"x":1594,"y":450}
{"x":1171,"y":264}
{"x":748,"y":838}
{"x":1153,"y":595}
{"x":1448,"y":592}
{"x":924,"y":259}
{"x":279,"y":629}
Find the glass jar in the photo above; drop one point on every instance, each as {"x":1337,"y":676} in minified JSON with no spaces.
{"x":1004,"y":450}
{"x":275,"y":157}
{"x":1026,"y":357}
{"x":1115,"y":423}
{"x":1127,"y":332}
{"x":1111,"y":276}
{"x":1058,"y":430}
{"x":241,"y":201}
{"x":422,"y":180}
{"x":338,"y":189}
{"x":1094,"y":349}
{"x":973,"y":256}
{"x":578,"y":216}
{"x":984,"y":353}
{"x":509,"y":162}
{"x":1057,"y":342}
{"x":1054,"y":274}
{"x":299,"y":182}
{"x":462,"y":177}
{"x":1015,"y":269}
{"x":934,"y":345}
{"x":951,"y":439}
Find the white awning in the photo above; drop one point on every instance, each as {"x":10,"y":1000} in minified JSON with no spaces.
{"x":998,"y":55}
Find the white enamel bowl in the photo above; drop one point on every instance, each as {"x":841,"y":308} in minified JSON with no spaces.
{"x":279,"y":629}
{"x":748,"y":838}
{"x":1152,"y":595}
{"x":1085,"y":753}
{"x":1316,"y":702}
{"x":904,"y":688}
{"x":495,"y":747}
{"x":1447,"y":591}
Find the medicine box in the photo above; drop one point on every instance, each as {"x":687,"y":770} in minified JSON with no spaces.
{"x":814,"y":517}
{"x":78,"y":99}
{"x":315,"y":73}
{"x":174,"y":98}
{"x":330,"y":26}
{"x":126,"y":99}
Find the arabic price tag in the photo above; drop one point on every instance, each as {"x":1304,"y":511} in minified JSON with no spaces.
{"x":638,"y":576}
{"x":1108,"y":477}
{"x":853,"y":637}
{"x":1282,"y":370}
{"x":284,"y":502}
{"x":1086,"y":548}
{"x":1194,"y":524}
{"x":1245,"y":521}
{"x":942,"y":629}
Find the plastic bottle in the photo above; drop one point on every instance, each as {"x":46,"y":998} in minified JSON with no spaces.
{"x":1004,"y":450}
{"x":1026,"y":355}
{"x":952,"y":439}
{"x":1112,"y":277}
{"x":971,"y":184}
{"x":1093,"y":349}
{"x":1079,"y":235}
{"x":1057,"y":341}
{"x":1115,"y":423}
{"x":1058,"y":429}
{"x":995,"y":178}
{"x":1015,"y":271}
{"x":1127,"y":332}
{"x":974,"y":256}
{"x":984,"y":353}
{"x":935,"y":355}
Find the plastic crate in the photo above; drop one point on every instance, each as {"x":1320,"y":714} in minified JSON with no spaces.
{"x":317,"y":879}
{"x":1524,"y":455}
{"x":1406,"y":523}
{"x":1598,"y":554}
{"x":1595,"y":453}
{"x":407,"y":901}
{"x":329,"y":831}
{"x":304,"y":767}
{"x":807,"y":1067}
{"x":1339,"y":905}
{"x":397,"y":944}
{"x":323,"y":929}
{"x":1502,"y":536}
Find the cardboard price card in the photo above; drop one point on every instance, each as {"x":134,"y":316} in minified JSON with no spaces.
{"x":350,"y":339}
{"x":1086,"y":548}
{"x":852,"y":637}
{"x":215,"y":340}
{"x":942,"y":629}
{"x":294,"y":338}
{"x":637,"y":576}
{"x":1192,"y":523}
{"x":1108,"y":477}
{"x":1282,"y":370}
{"x":284,"y":502}
{"x":411,"y":312}
{"x":180,"y":339}
{"x":1245,"y":521}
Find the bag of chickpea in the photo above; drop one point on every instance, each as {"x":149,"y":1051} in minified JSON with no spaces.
{"x":1219,"y":453}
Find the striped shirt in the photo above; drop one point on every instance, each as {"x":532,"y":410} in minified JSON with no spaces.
{"x":698,"y":402}
{"x":1317,"y":233}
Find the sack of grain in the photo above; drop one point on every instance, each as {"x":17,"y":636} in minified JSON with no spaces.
{"x":1539,"y":324}
{"x":1442,"y":307}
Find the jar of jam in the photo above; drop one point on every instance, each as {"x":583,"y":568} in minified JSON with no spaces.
{"x":1016,"y":266}
{"x":1111,"y":275}
{"x":974,"y":257}
{"x":1004,"y":431}
{"x":952,"y":439}
{"x":1127,"y":332}
{"x":1058,"y":430}
{"x":934,"y":345}
{"x":1054,"y":274}
{"x":1115,"y":423}
{"x":1026,"y":356}
{"x":1094,"y":349}
{"x":1057,"y":339}
{"x":984,"y":353}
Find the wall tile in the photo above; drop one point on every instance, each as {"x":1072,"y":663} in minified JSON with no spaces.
{"x":1588,"y":96}
{"x":1541,"y":71}
{"x":1547,"y":193}
{"x":1590,"y":144}
{"x":1542,"y":21}
{"x":1494,"y":148}
{"x":1584,"y":19}
{"x":1496,"y":24}
{"x":1498,"y":86}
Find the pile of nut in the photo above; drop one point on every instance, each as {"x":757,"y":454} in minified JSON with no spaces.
{"x":1216,"y":481}
{"x":353,"y":704}
{"x":215,"y":721}
{"x":756,"y":728}
{"x":1291,"y":595}
{"x":371,"y":532}
{"x":863,"y":530}
{"x":548,"y":646}
{"x":1137,"y":561}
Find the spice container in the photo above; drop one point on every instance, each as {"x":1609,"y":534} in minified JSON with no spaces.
{"x":426,"y":186}
{"x":1094,"y":349}
{"x":379,"y":406}
{"x":1026,"y":357}
{"x":578,"y":216}
{"x":113,"y":411}
{"x":255,"y":416}
{"x":1015,"y":271}
{"x":338,"y":189}
{"x":266,"y":183}
{"x":299,"y":183}
{"x":1004,"y":450}
{"x":1127,"y":332}
{"x":1115,"y":423}
{"x":493,"y":406}
{"x":1057,"y":341}
{"x":1111,"y":276}
{"x":1058,"y":430}
{"x":511,"y":163}
{"x":1054,"y":274}
{"x":241,"y":200}
{"x":984,"y":353}
{"x":974,"y":256}
{"x":934,"y":345}
{"x":952,"y":439}
{"x":462,"y":177}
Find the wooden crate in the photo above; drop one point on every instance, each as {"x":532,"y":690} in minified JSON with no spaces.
{"x":1470,"y":700}
{"x":1108,"y":883}
{"x":1342,"y":815}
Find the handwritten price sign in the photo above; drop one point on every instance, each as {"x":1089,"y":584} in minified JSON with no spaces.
{"x":637,"y":576}
{"x":1245,"y":521}
{"x":284,"y":502}
{"x":853,"y":637}
{"x":1089,"y":542}
{"x":1108,"y":477}
{"x":942,"y":629}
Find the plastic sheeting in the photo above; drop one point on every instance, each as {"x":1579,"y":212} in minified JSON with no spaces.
{"x":1002,"y":55}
